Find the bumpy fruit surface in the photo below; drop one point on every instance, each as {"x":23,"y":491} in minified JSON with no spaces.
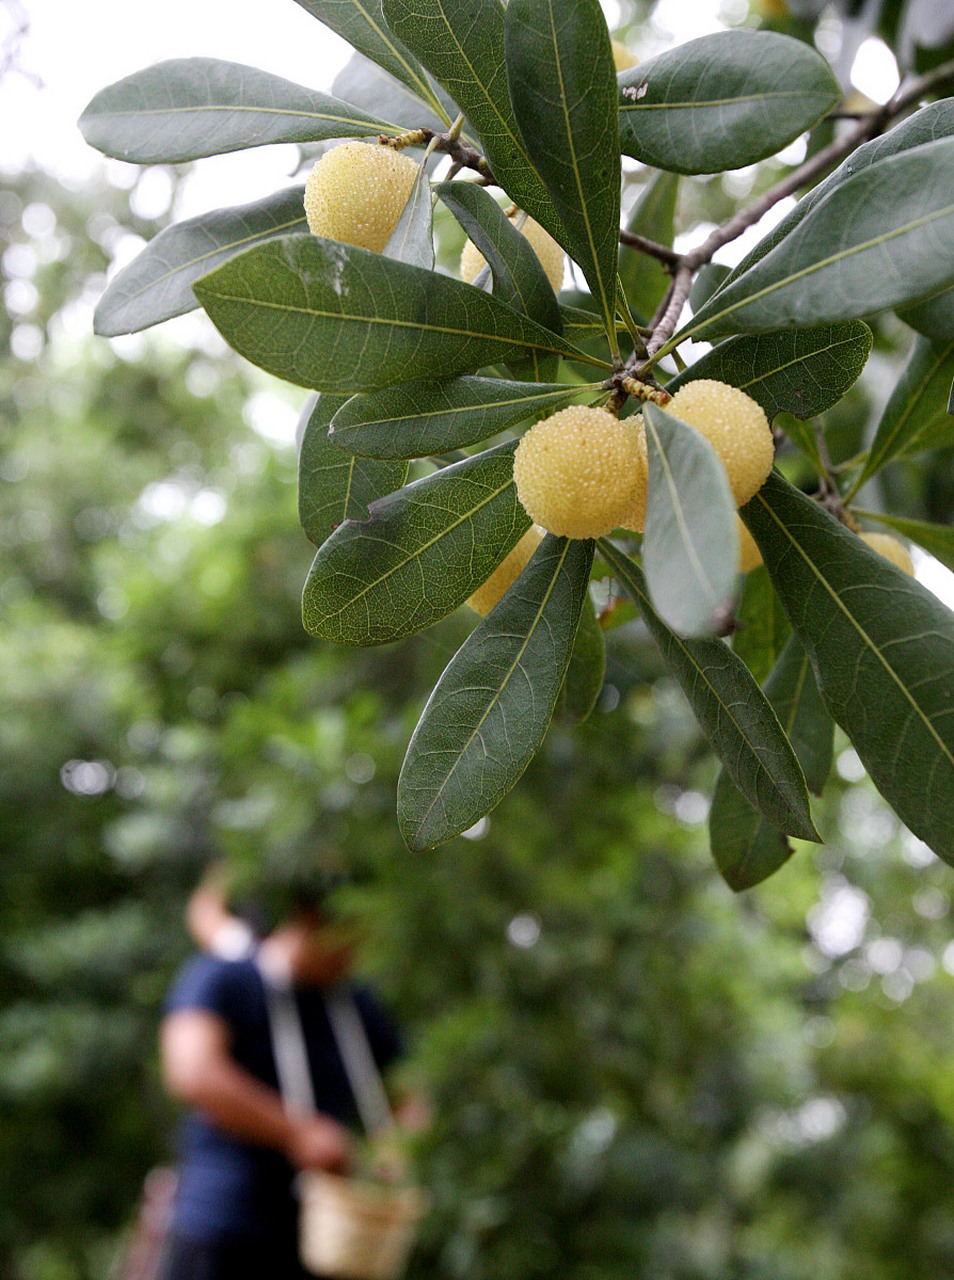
{"x":736,"y":427}
{"x":579,"y":473}
{"x":622,"y":58}
{"x":356,"y":193}
{"x":507,"y":572}
{"x":540,"y":241}
{"x":891,"y":549}
{"x":750,"y":557}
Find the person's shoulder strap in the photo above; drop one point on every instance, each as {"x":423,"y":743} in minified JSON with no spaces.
{"x":361,"y":1069}
{"x":288,"y":1042}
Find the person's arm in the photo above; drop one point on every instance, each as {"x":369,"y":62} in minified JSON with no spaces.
{"x":199,"y":1069}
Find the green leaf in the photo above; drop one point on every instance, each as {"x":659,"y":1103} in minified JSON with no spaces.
{"x":337,"y":318}
{"x":461,"y":43}
{"x":412,"y":239}
{"x":416,"y":419}
{"x":584,"y":676}
{"x":190,"y":107}
{"x":933,"y":317}
{"x":882,"y":647}
{"x":563,"y":90}
{"x":519,"y":278}
{"x":746,"y":848}
{"x":375,"y":90}
{"x":691,"y":543}
{"x":732,"y":711}
{"x":362,"y":24}
{"x":916,"y":415}
{"x":421,"y":553}
{"x":332,"y":486}
{"x":644,"y":279}
{"x":927,"y":125}
{"x":878,"y":239}
{"x":490,"y":709}
{"x":937,"y":539}
{"x":797,"y":371}
{"x":723,"y":101}
{"x":763,"y":626}
{"x":158,"y":283}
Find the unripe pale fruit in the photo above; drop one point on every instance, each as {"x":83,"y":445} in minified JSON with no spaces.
{"x":891,"y":549}
{"x":540,"y":241}
{"x":622,"y":58}
{"x":356,"y":193}
{"x":507,"y":572}
{"x":579,"y":473}
{"x":750,"y":557}
{"x":736,"y":427}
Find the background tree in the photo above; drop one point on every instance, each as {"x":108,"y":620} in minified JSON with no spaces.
{"x":633,"y":1069}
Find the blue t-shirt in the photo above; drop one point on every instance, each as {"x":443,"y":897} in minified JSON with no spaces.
{"x":229,"y":1188}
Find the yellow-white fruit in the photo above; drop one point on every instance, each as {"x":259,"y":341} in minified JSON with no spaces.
{"x":891,"y":548}
{"x":579,"y":473}
{"x":622,"y":57}
{"x":540,"y":241}
{"x":736,"y":427}
{"x":356,"y":193}
{"x":507,"y":572}
{"x":750,"y":557}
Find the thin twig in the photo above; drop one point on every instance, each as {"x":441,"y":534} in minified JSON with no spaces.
{"x":651,"y":247}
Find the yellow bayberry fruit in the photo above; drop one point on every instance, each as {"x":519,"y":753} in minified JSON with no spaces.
{"x":736,"y":427}
{"x":892,"y":549}
{"x":507,"y":572}
{"x":356,"y":193}
{"x":578,"y":473}
{"x":622,"y":57}
{"x":750,"y":557}
{"x":540,"y":241}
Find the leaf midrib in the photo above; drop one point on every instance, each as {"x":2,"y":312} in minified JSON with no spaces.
{"x":202,"y":257}
{"x":407,"y":324}
{"x":531,"y":631}
{"x":808,"y":270}
{"x":620,"y":569}
{"x":679,"y":105}
{"x":678,"y":510}
{"x":866,"y":638}
{"x":419,"y":551}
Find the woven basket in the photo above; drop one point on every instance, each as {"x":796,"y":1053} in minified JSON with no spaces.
{"x":354,"y":1229}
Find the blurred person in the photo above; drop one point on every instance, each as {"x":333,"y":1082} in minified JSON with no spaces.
{"x":235,"y":1212}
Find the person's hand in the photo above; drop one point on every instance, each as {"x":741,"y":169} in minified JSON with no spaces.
{"x":319,"y":1142}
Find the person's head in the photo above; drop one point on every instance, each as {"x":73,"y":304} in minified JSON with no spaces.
{"x":316,"y":943}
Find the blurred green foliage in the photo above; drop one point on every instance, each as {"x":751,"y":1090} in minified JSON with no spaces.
{"x":634,"y":1072}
